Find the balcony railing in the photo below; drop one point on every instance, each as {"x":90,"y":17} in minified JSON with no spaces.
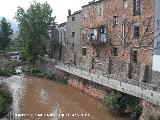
{"x":103,"y":38}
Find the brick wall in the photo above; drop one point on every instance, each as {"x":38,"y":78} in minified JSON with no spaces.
{"x":125,"y":46}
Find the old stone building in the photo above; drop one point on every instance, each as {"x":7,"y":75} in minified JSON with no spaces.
{"x":116,"y":37}
{"x":53,"y":42}
{"x":73,"y":49}
{"x":62,"y":39}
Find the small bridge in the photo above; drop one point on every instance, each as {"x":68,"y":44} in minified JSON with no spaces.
{"x":148,"y":92}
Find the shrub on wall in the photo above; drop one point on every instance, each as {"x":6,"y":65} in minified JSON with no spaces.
{"x":136,"y":111}
{"x":113,"y":102}
{"x":121,"y":103}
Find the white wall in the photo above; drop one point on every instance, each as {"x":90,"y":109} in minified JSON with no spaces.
{"x":156,"y":56}
{"x":157,"y":19}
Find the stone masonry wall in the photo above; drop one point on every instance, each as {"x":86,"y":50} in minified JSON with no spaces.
{"x":150,"y":110}
{"x":87,"y":87}
{"x":125,"y":46}
{"x":156,"y":78}
{"x":73,"y":45}
{"x":46,"y":64}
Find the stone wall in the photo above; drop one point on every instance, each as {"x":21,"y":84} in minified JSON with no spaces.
{"x":125,"y":46}
{"x":150,"y":110}
{"x":46,"y":64}
{"x":87,"y":87}
{"x":73,"y":45}
{"x":156,"y":78}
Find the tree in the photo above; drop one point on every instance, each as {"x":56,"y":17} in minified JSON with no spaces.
{"x":5,"y":33}
{"x":34,"y":24}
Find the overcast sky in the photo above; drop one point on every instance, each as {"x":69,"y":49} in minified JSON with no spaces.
{"x":60,"y":7}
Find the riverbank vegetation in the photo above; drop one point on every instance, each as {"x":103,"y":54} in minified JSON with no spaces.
{"x":8,"y":68}
{"x":5,"y":99}
{"x":123,"y":104}
{"x":29,"y":70}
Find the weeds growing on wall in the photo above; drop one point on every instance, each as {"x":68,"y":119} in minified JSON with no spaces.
{"x":121,"y":103}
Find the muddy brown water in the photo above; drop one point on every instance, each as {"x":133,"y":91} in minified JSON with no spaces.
{"x":40,"y":99}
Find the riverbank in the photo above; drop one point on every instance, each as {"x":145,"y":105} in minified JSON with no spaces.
{"x":5,"y":99}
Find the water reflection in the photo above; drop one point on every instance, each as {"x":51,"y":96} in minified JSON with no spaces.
{"x":41,"y":99}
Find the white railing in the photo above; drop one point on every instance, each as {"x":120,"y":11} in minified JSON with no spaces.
{"x":145,"y":91}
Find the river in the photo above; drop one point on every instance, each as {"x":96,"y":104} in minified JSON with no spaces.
{"x":40,"y":99}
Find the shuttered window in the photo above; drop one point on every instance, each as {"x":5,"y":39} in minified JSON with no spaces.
{"x":136,"y":7}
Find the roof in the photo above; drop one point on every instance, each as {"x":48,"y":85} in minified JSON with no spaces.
{"x":77,"y":12}
{"x":62,"y":24}
{"x":92,"y":2}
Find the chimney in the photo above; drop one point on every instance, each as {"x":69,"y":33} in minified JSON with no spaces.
{"x":69,"y":12}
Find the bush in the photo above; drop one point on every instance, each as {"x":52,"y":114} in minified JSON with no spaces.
{"x":62,"y":81}
{"x":2,"y":104}
{"x":5,"y":99}
{"x":137,"y":111}
{"x":112,"y":102}
{"x":152,"y":118}
{"x":5,"y":72}
{"x":121,"y":103}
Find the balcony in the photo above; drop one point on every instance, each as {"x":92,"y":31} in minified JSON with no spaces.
{"x":98,"y":35}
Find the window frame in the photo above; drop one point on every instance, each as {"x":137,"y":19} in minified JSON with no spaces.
{"x":136,"y":7}
{"x":73,"y":34}
{"x":115,"y":21}
{"x":84,"y":51}
{"x":73,"y":18}
{"x":125,"y":4}
{"x":136,"y":32}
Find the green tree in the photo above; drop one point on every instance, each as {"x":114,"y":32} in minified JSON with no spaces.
{"x":5,"y":33}
{"x":34,"y":24}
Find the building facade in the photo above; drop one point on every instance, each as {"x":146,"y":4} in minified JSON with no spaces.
{"x":53,"y":42}
{"x":62,"y":38}
{"x":116,"y":37}
{"x":73,"y":49}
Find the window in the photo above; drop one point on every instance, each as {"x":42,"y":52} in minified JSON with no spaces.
{"x":136,"y":31}
{"x":73,"y":18}
{"x":100,"y":9}
{"x":134,"y":56}
{"x":73,"y":34}
{"x":136,"y":7}
{"x":115,"y":21}
{"x":97,"y":52}
{"x":92,"y":63}
{"x":115,"y":53}
{"x":84,"y":51}
{"x":123,"y":33}
{"x":125,"y":3}
{"x":72,"y":45}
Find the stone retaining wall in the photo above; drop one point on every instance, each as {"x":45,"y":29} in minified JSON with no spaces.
{"x":87,"y":87}
{"x":150,"y":110}
{"x":46,"y":64}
